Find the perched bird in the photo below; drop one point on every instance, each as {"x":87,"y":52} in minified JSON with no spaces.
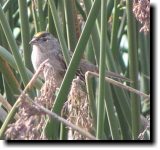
{"x":46,"y":46}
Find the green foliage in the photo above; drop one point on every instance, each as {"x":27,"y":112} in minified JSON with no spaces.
{"x":104,"y":32}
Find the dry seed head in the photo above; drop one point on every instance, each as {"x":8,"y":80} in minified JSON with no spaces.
{"x":141,"y":10}
{"x":78,"y":109}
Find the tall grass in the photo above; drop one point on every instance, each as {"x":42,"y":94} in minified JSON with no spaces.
{"x":104,"y":32}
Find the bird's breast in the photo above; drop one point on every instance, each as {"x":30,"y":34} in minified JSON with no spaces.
{"x":37,"y":57}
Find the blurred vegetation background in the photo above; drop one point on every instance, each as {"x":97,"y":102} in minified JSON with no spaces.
{"x":112,"y":34}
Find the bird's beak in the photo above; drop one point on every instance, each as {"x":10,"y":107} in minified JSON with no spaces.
{"x":32,"y":41}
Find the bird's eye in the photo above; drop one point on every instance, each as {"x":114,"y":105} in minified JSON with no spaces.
{"x":44,"y":39}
